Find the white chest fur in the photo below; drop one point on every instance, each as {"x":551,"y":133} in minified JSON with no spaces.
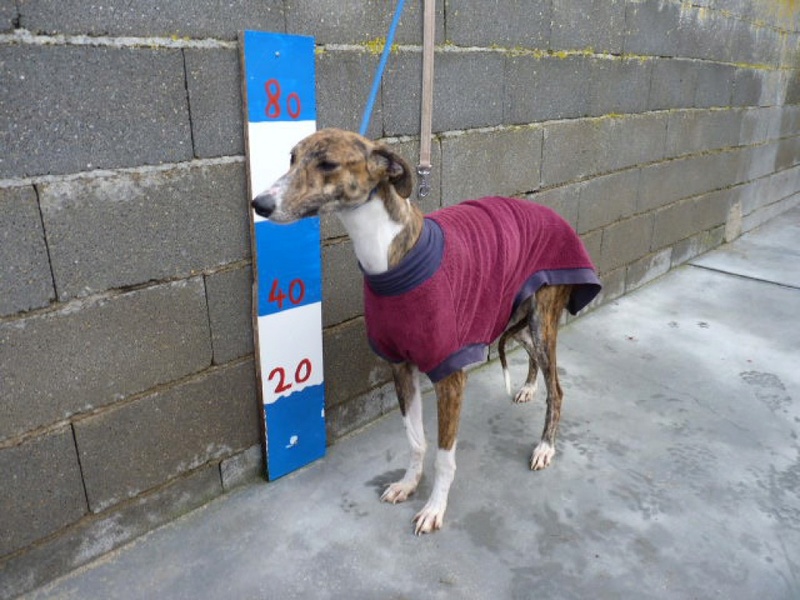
{"x":372,"y":231}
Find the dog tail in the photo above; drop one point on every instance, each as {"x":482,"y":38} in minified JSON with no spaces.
{"x":501,"y":351}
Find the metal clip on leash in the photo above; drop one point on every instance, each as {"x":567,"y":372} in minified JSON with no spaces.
{"x":426,"y":106}
{"x":424,"y":173}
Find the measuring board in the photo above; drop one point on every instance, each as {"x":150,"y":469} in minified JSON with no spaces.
{"x":280,"y":109}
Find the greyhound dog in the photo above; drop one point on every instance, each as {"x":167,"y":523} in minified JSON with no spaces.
{"x":421,"y":278}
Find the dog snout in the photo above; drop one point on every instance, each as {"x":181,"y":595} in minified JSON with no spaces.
{"x":264,"y":205}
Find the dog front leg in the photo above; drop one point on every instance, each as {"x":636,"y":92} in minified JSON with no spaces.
{"x":406,"y":383}
{"x":449,"y":395}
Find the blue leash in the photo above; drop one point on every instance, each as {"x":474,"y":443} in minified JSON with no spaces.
{"x":376,"y":82}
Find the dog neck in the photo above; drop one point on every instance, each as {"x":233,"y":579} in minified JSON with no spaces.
{"x":383,"y":229}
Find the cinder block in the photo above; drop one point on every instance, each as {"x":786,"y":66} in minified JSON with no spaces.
{"x":784,"y":183}
{"x":673,"y":85}
{"x":789,"y":47}
{"x":747,"y":87}
{"x":545,"y":88}
{"x":625,"y":242}
{"x":467,"y":91}
{"x":95,"y":536}
{"x":744,"y":199}
{"x":97,"y":351}
{"x":618,"y":86}
{"x":213,"y":82}
{"x":8,"y":15}
{"x":25,"y":279}
{"x":758,"y":124}
{"x":594,"y":243}
{"x":664,"y":183}
{"x":473,"y":165}
{"x":757,"y":161}
{"x":42,"y":490}
{"x":575,"y":150}
{"x":118,"y":107}
{"x":209,"y":18}
{"x":344,"y":80}
{"x":607,"y":199}
{"x":243,"y":468}
{"x":230,"y":306}
{"x":774,"y":87}
{"x":129,"y":228}
{"x":692,"y":131}
{"x":752,"y":195}
{"x":661,"y":184}
{"x":563,"y":199}
{"x":788,"y":153}
{"x":788,"y":124}
{"x":342,"y":285}
{"x":755,"y":44}
{"x":793,"y":84}
{"x":766,"y":213}
{"x":597,"y":24}
{"x":714,"y":85}
{"x":358,"y":369}
{"x":712,"y":210}
{"x":688,"y":217}
{"x":686,"y":250}
{"x":706,"y":34}
{"x":647,"y":269}
{"x":613,"y":288}
{"x":509,"y":25}
{"x":358,"y":21}
{"x":652,"y":28}
{"x":127,"y":450}
{"x":361,"y":410}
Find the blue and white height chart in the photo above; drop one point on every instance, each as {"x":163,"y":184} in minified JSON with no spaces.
{"x":280,"y":103}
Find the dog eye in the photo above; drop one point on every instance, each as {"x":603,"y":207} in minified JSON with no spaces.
{"x":327,"y":166}
{"x":292,"y":159}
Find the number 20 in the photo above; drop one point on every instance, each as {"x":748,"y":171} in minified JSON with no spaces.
{"x":301,"y":374}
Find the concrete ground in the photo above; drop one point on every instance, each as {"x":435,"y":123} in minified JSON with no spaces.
{"x":677,"y":473}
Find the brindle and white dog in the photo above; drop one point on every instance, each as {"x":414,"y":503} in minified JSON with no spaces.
{"x":367,"y":186}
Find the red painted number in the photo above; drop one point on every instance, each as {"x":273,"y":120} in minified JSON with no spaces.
{"x":273,"y":108}
{"x":273,"y":89}
{"x":297,"y":291}
{"x":293,"y":106}
{"x":301,"y":374}
{"x":303,"y":371}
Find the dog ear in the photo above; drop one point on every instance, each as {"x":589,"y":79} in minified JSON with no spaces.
{"x":395,"y":168}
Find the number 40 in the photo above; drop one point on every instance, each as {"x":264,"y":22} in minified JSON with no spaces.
{"x":297,"y":291}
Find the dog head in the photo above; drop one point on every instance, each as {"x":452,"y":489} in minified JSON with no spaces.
{"x":332,"y":170}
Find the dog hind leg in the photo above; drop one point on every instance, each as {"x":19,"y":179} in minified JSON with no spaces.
{"x":406,"y":381}
{"x":519,"y":331}
{"x":449,"y":395}
{"x":543,"y":327}
{"x":528,"y":390}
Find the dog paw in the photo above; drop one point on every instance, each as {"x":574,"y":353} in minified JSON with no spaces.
{"x":429,"y":519}
{"x":399,"y":491}
{"x":526,"y":393}
{"x":542,"y":455}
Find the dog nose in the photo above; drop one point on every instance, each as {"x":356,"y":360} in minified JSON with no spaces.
{"x":264,"y":205}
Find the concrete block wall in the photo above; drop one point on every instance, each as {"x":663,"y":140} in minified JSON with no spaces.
{"x":658,"y":128}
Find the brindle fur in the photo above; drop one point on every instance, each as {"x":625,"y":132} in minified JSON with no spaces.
{"x":449,"y":396}
{"x":402,"y":374}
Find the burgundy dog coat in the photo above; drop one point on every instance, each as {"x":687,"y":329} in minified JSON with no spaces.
{"x":457,"y":288}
